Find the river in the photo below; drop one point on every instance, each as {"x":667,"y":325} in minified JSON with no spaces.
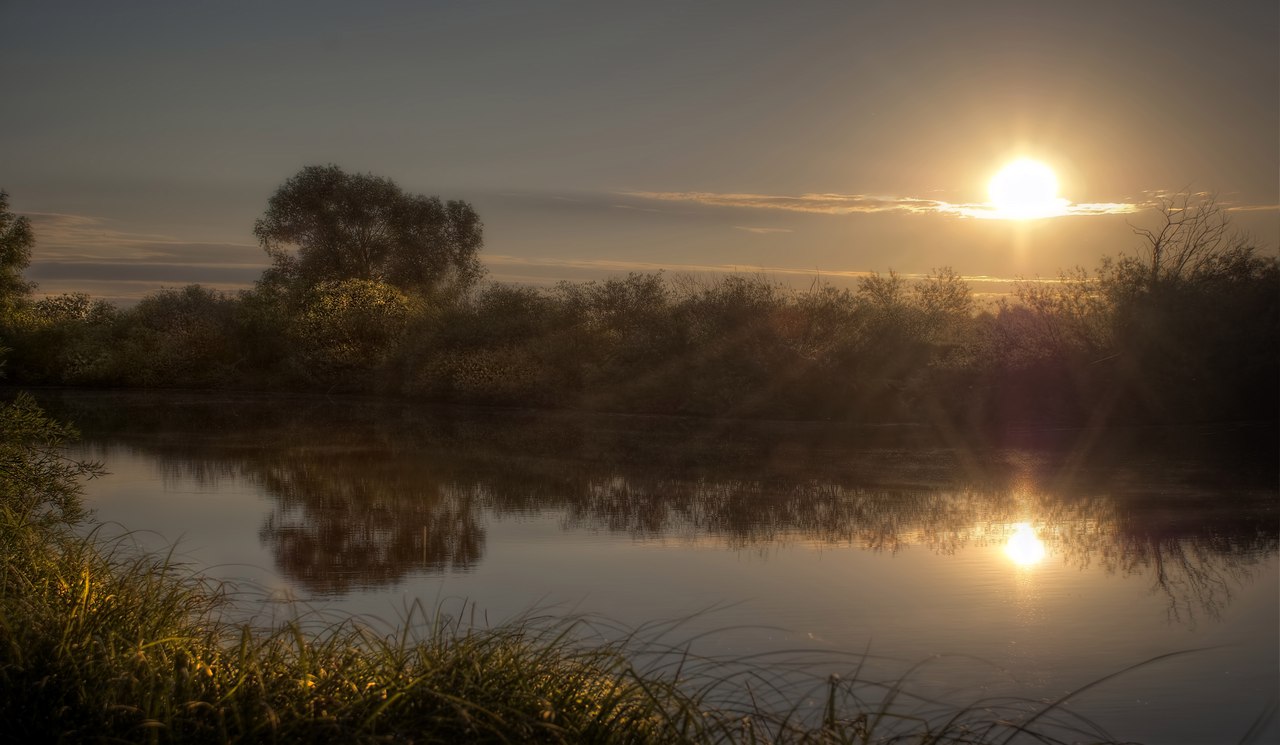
{"x":1030,"y":562}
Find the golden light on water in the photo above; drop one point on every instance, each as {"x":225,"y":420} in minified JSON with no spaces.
{"x":1024,"y":547}
{"x":1025,"y":190}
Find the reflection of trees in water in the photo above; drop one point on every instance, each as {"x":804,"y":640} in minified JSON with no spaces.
{"x":365,"y":498}
{"x":1191,"y":575}
{"x":754,"y":513}
{"x":1195,"y":562}
{"x":347,"y":519}
{"x":1194,"y":558}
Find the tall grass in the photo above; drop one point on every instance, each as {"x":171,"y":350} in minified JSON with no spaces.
{"x":99,"y":642}
{"x":99,"y":645}
{"x":96,"y":644}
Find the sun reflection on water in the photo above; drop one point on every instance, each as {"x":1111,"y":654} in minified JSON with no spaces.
{"x":1024,"y":547}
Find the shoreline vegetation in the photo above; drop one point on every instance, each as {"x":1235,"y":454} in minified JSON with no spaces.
{"x":100,"y":642}
{"x":375,"y":291}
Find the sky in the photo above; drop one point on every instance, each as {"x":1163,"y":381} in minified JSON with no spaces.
{"x":797,"y":140}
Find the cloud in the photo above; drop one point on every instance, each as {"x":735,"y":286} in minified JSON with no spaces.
{"x":1062,"y":208}
{"x":66,"y":237}
{"x":828,"y":204}
{"x":144,"y":271}
{"x":849,"y":204}
{"x":86,"y":253}
{"x":761,"y":231}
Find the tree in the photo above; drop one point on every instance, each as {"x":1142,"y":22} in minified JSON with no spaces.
{"x":346,"y":329}
{"x":39,"y":485}
{"x":16,"y":240}
{"x":325,"y":225}
{"x":179,"y":337}
{"x":944,"y":303}
{"x":1195,"y":317}
{"x":1192,"y":239}
{"x":63,"y":339}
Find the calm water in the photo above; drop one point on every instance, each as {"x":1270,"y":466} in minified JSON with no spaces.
{"x":1031,"y":564}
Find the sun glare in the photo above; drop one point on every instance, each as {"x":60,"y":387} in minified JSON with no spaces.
{"x":1024,"y":547}
{"x":1025,"y":190}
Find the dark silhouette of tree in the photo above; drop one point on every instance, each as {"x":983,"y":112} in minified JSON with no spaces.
{"x":16,"y":240}
{"x":325,"y":225}
{"x":1195,"y":317}
{"x":1193,"y":237}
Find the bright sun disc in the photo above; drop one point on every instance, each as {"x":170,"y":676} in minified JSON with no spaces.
{"x":1024,"y":547}
{"x":1025,"y":189}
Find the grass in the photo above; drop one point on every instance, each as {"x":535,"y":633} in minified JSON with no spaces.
{"x":99,"y":642}
{"x":96,"y":644}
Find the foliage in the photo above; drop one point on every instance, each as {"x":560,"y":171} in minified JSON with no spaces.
{"x":344,"y":330}
{"x":38,"y":485}
{"x":945,"y":305}
{"x":262,"y":319}
{"x":65,"y":338}
{"x":1195,"y":317}
{"x":359,"y":226}
{"x":488,"y":349}
{"x":178,"y":338}
{"x":16,"y":241}
{"x":1184,"y":328}
{"x":617,"y":339}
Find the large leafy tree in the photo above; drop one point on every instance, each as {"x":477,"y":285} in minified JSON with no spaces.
{"x":326,"y":225}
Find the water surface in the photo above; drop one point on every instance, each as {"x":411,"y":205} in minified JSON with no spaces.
{"x":1028,"y":562}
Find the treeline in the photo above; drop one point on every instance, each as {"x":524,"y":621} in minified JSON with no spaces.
{"x":1186,"y":329}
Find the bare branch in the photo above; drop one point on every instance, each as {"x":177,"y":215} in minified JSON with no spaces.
{"x":1193,"y":232}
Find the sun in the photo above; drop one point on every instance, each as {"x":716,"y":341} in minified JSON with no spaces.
{"x":1025,"y":190}
{"x":1024,"y":547}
